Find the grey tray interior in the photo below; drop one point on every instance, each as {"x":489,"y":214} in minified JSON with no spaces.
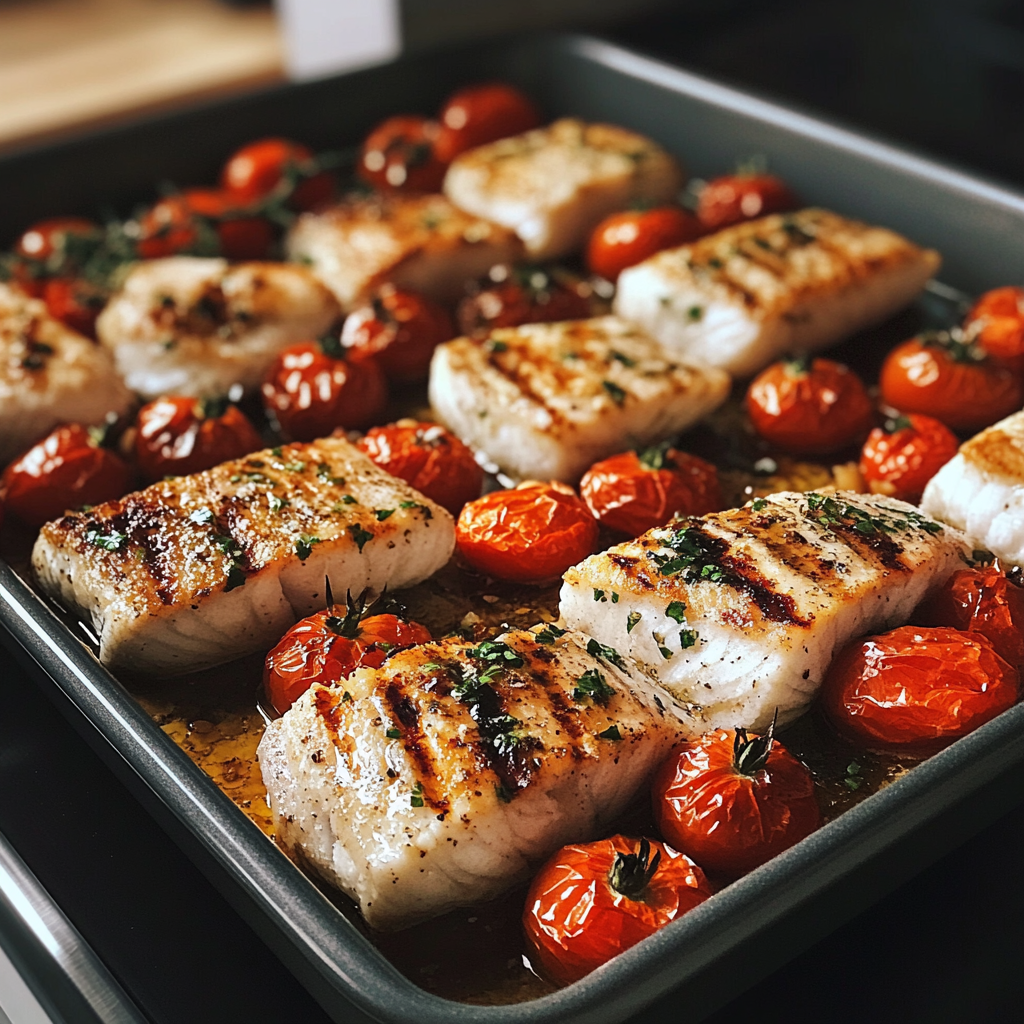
{"x":979,"y":227}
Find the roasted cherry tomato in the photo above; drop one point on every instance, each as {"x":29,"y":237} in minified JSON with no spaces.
{"x":900,"y":458}
{"x":983,"y":601}
{"x":510,"y":296}
{"x":917,"y":688}
{"x":945,"y":376}
{"x":625,"y":239}
{"x":327,"y":647}
{"x":590,"y":903}
{"x":530,"y":535}
{"x":313,"y":387}
{"x":733,"y":801}
{"x":739,"y":197}
{"x":74,"y":302}
{"x":399,"y":154}
{"x":482,"y":114}
{"x":176,"y":435}
{"x":809,"y":406}
{"x":260,"y":168}
{"x":997,"y":323}
{"x":401,"y":330}
{"x":429,"y":458}
{"x":47,"y":250}
{"x":202,"y":221}
{"x":240,"y":237}
{"x":67,"y":469}
{"x":634,"y":493}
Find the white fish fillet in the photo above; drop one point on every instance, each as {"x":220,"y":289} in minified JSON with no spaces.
{"x":197,"y":570}
{"x":49,"y":374}
{"x":419,"y":242}
{"x":192,"y":326}
{"x":546,"y":401}
{"x":981,"y":490}
{"x":742,"y":611}
{"x":554,"y":185}
{"x":414,"y":801}
{"x":795,"y":282}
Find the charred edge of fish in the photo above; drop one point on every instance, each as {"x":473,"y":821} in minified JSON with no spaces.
{"x":407,"y":714}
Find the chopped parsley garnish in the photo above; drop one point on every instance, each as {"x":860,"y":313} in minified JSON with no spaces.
{"x":427,"y":514}
{"x":276,"y":503}
{"x":304,"y":545}
{"x":276,"y":452}
{"x":676,"y":611}
{"x":416,"y":797}
{"x":592,"y":684}
{"x":294,"y":467}
{"x":112,"y":541}
{"x":346,"y":696}
{"x":631,"y":620}
{"x":854,"y":780}
{"x":621,"y":357}
{"x":687,"y":638}
{"x":347,"y":499}
{"x":599,"y":595}
{"x":611,"y":733}
{"x":549,"y":634}
{"x":615,"y":598}
{"x":201,"y":516}
{"x":609,"y":654}
{"x":665,"y":652}
{"x":383,"y":513}
{"x":759,"y":504}
{"x":502,"y":794}
{"x":831,"y":513}
{"x":694,"y":554}
{"x":496,"y":653}
{"x":394,"y":734}
{"x":497,"y":346}
{"x":695,"y":312}
{"x":236,"y":577}
{"x":618,"y":395}
{"x":430,"y":666}
{"x":227,"y":545}
{"x":359,"y":535}
{"x":323,"y":472}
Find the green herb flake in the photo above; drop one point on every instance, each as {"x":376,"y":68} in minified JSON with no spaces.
{"x":759,"y":504}
{"x":359,"y":535}
{"x":112,"y":541}
{"x":592,"y":684}
{"x":687,"y":638}
{"x":346,"y":697}
{"x":599,"y":595}
{"x":631,"y":620}
{"x":615,"y":598}
{"x":549,"y":634}
{"x":611,"y":733}
{"x":276,"y":452}
{"x":621,"y":357}
{"x":236,"y":577}
{"x":853,"y":779}
{"x":304,"y":545}
{"x":497,"y":346}
{"x":618,"y":395}
{"x":609,"y":654}
{"x":416,"y":797}
{"x":676,"y":611}
{"x":665,"y":653}
{"x":394,"y":734}
{"x":430,"y":666}
{"x":323,"y":472}
{"x":276,"y":503}
{"x":383,"y":513}
{"x":695,"y":312}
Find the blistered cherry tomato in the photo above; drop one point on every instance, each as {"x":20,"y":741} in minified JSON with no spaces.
{"x":510,"y":296}
{"x":998,"y":320}
{"x":176,"y":436}
{"x":258,"y":169}
{"x":917,"y":688}
{"x":240,"y":237}
{"x":805,"y":407}
{"x":429,"y":458}
{"x":944,"y":376}
{"x":74,"y":302}
{"x":983,"y":601}
{"x":43,"y":251}
{"x":634,"y":493}
{"x":531,"y":534}
{"x":482,"y":114}
{"x":625,"y":239}
{"x":900,"y":458}
{"x":67,"y":469}
{"x":401,"y":330}
{"x":399,"y":154}
{"x":734,"y":198}
{"x":202,"y":221}
{"x":733,"y":801}
{"x":591,"y":902}
{"x":329,"y":646}
{"x":313,"y":387}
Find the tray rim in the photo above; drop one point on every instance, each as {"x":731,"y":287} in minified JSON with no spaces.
{"x":612,"y":992}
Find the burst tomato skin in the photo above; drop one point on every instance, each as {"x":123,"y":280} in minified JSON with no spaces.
{"x":175,"y":225}
{"x":575,"y":921}
{"x":240,"y":238}
{"x":728,"y":821}
{"x":65,"y":470}
{"x":981,"y":601}
{"x":953,"y":383}
{"x":998,"y":318}
{"x":429,"y":458}
{"x":625,"y":239}
{"x":809,"y":408}
{"x":176,"y":436}
{"x":734,"y":198}
{"x":900,"y":462}
{"x":315,"y":650}
{"x":41,"y":252}
{"x":311,"y":391}
{"x":917,"y":689}
{"x":75,"y":303}
{"x":399,"y":155}
{"x":401,"y":330}
{"x":531,"y":534}
{"x":480,"y":114}
{"x":256,"y":170}
{"x":632,"y":495}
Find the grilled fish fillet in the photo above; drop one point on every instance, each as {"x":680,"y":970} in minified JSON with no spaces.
{"x":553,"y":185}
{"x":197,"y":570}
{"x":546,"y":401}
{"x":49,"y":374}
{"x":981,"y":490}
{"x":741,"y":611}
{"x":442,"y":778}
{"x":192,"y":326}
{"x":421,"y":243}
{"x":794,"y":282}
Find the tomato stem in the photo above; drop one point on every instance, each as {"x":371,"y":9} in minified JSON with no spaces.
{"x":631,"y":873}
{"x":751,"y":755}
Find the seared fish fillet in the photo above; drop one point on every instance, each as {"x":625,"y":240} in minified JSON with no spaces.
{"x":545,"y":401}
{"x":553,"y":185}
{"x":192,"y":326}
{"x":197,"y":570}
{"x":49,"y":374}
{"x":421,"y":243}
{"x":741,"y":611}
{"x":793,"y":282}
{"x":442,"y":778}
{"x":981,"y":490}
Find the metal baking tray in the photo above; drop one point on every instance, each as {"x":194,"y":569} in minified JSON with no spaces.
{"x":755,"y":924}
